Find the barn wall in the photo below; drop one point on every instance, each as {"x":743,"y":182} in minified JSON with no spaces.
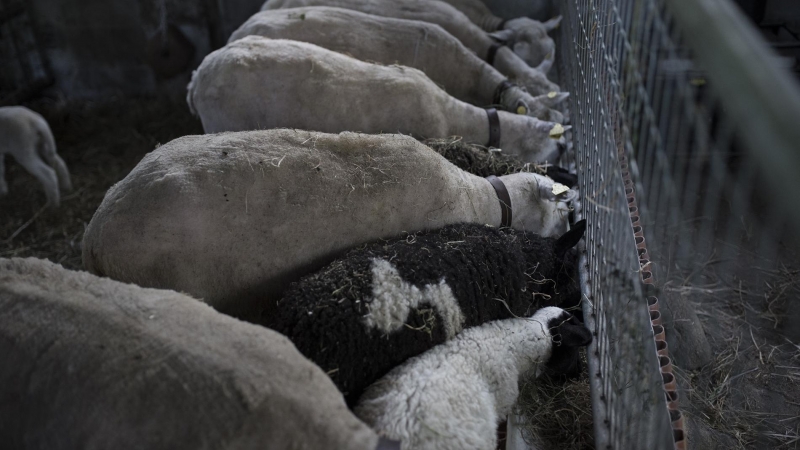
{"x":98,"y":48}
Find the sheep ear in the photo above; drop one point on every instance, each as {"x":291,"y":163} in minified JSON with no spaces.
{"x":570,"y":238}
{"x":546,"y":64}
{"x":553,"y":23}
{"x":552,"y":98}
{"x":544,"y":126}
{"x":502,"y":36}
{"x":569,"y":332}
{"x":574,"y":333}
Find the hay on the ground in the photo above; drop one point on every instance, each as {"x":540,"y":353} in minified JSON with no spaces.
{"x":557,"y":414}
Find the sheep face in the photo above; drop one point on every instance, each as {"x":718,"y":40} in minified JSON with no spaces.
{"x":528,"y":39}
{"x":568,"y":335}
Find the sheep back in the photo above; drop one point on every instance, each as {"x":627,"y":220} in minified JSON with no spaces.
{"x":93,"y":363}
{"x":232,"y":217}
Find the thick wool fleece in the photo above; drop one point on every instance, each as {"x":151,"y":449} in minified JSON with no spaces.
{"x":385,"y":40}
{"x":390,"y":300}
{"x":452,"y":396}
{"x":256,"y":83}
{"x":27,"y":137}
{"x":90,"y":363}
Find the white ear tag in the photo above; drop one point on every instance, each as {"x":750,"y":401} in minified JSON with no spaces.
{"x":559,"y":188}
{"x":552,"y":94}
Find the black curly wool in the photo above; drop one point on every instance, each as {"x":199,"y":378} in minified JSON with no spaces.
{"x":493,"y":274}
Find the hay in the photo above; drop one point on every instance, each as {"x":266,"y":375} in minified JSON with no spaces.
{"x":479,"y":160}
{"x":101,"y":142}
{"x":747,"y":396}
{"x":557,"y":414}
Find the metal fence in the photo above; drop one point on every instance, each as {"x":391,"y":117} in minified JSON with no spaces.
{"x":687,"y":142}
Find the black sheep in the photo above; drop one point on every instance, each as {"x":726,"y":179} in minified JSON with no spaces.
{"x":388,"y":301}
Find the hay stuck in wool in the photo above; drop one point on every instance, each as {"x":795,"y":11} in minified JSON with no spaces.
{"x":335,"y":317}
{"x":557,"y":414}
{"x":479,"y":160}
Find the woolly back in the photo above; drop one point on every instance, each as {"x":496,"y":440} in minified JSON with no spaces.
{"x":387,"y":301}
{"x":92,"y":363}
{"x":257,"y":83}
{"x":252,"y":211}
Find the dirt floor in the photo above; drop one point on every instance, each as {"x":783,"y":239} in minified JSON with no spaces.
{"x":748,"y":395}
{"x":101,"y":142}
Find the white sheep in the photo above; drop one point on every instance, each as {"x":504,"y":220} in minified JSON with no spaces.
{"x":26,"y":136}
{"x":91,"y":363}
{"x":412,"y":43}
{"x":454,"y":395}
{"x":535,"y":47}
{"x":256,"y":83}
{"x":236,"y":217}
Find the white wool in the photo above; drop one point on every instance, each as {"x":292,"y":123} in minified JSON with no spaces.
{"x":26,"y":136}
{"x":386,"y":40}
{"x":393,"y":299}
{"x":453,"y":396}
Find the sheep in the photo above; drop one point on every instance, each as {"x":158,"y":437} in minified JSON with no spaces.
{"x":527,"y":37}
{"x":90,"y":363}
{"x":236,"y":217}
{"x":27,"y":137}
{"x":256,"y":83}
{"x":385,"y":302}
{"x":410,"y":43}
{"x":454,"y":395}
{"x":457,"y":24}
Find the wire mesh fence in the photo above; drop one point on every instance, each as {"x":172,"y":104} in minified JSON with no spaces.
{"x":673,"y":172}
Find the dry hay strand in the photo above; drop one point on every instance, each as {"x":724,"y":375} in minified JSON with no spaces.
{"x":557,"y":414}
{"x":746,"y":393}
{"x":709,"y":394}
{"x":479,"y":160}
{"x":100,"y":142}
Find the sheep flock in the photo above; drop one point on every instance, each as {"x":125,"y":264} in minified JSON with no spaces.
{"x":371,"y":246}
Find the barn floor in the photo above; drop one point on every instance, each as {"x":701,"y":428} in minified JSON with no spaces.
{"x":749,"y":395}
{"x":100,"y":142}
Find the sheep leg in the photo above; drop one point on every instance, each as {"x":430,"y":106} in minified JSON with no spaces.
{"x":64,"y":181}
{"x":3,"y":185}
{"x":47,"y":176}
{"x":47,"y":151}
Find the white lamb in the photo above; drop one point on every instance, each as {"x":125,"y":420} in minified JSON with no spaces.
{"x":454,"y":395}
{"x":26,"y":136}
